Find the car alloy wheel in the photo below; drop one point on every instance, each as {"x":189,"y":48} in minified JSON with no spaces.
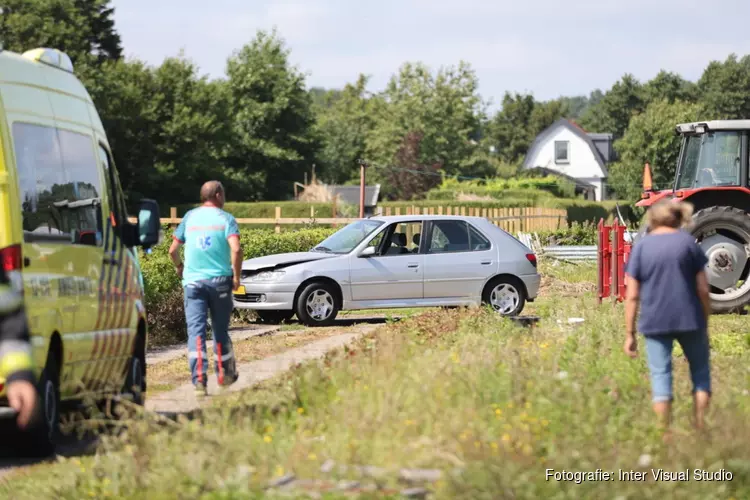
{"x":505,"y":298}
{"x":320,"y":305}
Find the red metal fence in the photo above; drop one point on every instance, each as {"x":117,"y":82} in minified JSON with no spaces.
{"x":612,"y":255}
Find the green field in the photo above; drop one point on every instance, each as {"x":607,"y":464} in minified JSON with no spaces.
{"x":488,"y":404}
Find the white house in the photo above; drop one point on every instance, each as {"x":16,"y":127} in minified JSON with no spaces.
{"x":566,"y":149}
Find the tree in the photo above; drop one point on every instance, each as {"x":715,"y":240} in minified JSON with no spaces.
{"x":410,"y":178}
{"x":669,"y":86}
{"x":612,"y":114}
{"x":84,"y":29}
{"x":650,"y":138}
{"x":444,"y":109}
{"x":509,"y":129}
{"x":344,"y":120}
{"x":272,"y":119}
{"x":724,"y":89}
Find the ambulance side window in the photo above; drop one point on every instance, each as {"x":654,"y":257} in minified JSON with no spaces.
{"x":59,"y":185}
{"x":116,"y":205}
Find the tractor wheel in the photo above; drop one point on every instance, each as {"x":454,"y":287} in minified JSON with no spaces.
{"x":724,"y":235}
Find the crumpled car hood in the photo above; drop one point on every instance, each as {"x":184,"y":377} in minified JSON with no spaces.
{"x":283,"y":260}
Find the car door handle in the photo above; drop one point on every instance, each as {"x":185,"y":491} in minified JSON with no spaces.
{"x":486,"y":262}
{"x":413,"y":265}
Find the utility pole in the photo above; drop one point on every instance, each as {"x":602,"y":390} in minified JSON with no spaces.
{"x":362,"y":167}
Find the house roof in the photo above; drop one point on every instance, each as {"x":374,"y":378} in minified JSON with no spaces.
{"x":350,"y":194}
{"x":588,"y":138}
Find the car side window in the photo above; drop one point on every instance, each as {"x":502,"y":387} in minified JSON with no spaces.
{"x":477,"y":241}
{"x":59,"y":184}
{"x":403,"y":239}
{"x":449,"y":236}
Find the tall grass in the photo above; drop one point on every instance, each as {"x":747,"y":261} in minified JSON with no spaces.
{"x":490,"y":404}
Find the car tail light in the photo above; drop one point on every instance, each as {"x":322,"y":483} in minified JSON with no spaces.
{"x":532,"y":258}
{"x":11,"y":258}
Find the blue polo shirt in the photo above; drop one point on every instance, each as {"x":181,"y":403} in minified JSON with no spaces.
{"x":666,"y":266}
{"x":205,"y":232}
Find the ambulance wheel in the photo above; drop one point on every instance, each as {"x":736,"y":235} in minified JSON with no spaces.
{"x":135,"y":381}
{"x":40,"y":438}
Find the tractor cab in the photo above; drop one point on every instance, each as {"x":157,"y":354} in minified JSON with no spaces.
{"x":713,"y":159}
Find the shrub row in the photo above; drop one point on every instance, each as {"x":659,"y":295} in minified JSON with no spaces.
{"x":497,"y":188}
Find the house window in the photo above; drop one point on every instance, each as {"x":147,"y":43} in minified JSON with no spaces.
{"x":562,"y":152}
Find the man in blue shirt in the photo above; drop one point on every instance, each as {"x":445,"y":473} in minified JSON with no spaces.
{"x":213,"y":262}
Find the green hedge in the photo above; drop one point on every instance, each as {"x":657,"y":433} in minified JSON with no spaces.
{"x":164,"y":301}
{"x":580,"y":211}
{"x":498,"y":188}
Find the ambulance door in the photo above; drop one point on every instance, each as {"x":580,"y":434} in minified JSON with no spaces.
{"x":82,"y":219}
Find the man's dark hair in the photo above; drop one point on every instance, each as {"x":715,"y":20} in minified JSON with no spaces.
{"x":210,"y":190}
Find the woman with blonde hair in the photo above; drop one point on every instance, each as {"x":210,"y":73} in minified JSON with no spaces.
{"x":666,"y":279}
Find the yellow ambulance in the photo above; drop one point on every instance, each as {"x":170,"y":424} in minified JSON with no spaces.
{"x":66,"y":240}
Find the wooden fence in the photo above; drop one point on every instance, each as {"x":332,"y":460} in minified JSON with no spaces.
{"x":510,"y":219}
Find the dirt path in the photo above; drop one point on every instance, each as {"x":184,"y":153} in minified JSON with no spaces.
{"x":183,"y":399}
{"x":163,"y":354}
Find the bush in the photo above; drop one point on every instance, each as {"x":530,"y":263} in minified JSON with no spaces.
{"x":164,"y":299}
{"x":577,"y":234}
{"x":498,"y":188}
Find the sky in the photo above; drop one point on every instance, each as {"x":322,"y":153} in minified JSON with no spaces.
{"x":545,"y":47}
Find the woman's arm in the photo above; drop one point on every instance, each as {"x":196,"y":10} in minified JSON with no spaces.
{"x":631,"y":304}
{"x":631,"y":311}
{"x":701,"y":281}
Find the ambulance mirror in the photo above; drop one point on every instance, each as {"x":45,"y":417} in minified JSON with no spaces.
{"x":149,"y":224}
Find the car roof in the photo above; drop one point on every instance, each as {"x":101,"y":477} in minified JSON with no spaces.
{"x":404,"y":218}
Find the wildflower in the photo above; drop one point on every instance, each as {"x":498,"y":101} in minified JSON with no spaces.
{"x":279,"y":470}
{"x":545,"y":422}
{"x":300,"y":410}
{"x":267,"y":438}
{"x":493,"y":445}
{"x":498,"y":411}
{"x":312,"y":456}
{"x":528,"y":404}
{"x":510,"y":404}
{"x":506,"y":438}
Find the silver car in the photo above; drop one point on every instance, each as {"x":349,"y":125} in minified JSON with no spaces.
{"x":393,"y":262}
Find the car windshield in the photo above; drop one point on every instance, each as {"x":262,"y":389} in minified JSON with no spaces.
{"x":709,"y":160}
{"x":347,"y":239}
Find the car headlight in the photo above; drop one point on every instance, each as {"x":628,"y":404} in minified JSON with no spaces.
{"x":267,"y":276}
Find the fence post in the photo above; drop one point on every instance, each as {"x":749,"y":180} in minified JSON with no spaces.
{"x":312,"y":212}
{"x":615,"y":260}
{"x":620,"y":260}
{"x":173,"y":216}
{"x":604,"y":255}
{"x":278,"y":222}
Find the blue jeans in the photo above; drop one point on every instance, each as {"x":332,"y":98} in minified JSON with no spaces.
{"x":214,"y":295}
{"x":659,"y":353}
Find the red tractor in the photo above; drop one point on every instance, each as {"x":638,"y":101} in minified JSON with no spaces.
{"x":712,"y":174}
